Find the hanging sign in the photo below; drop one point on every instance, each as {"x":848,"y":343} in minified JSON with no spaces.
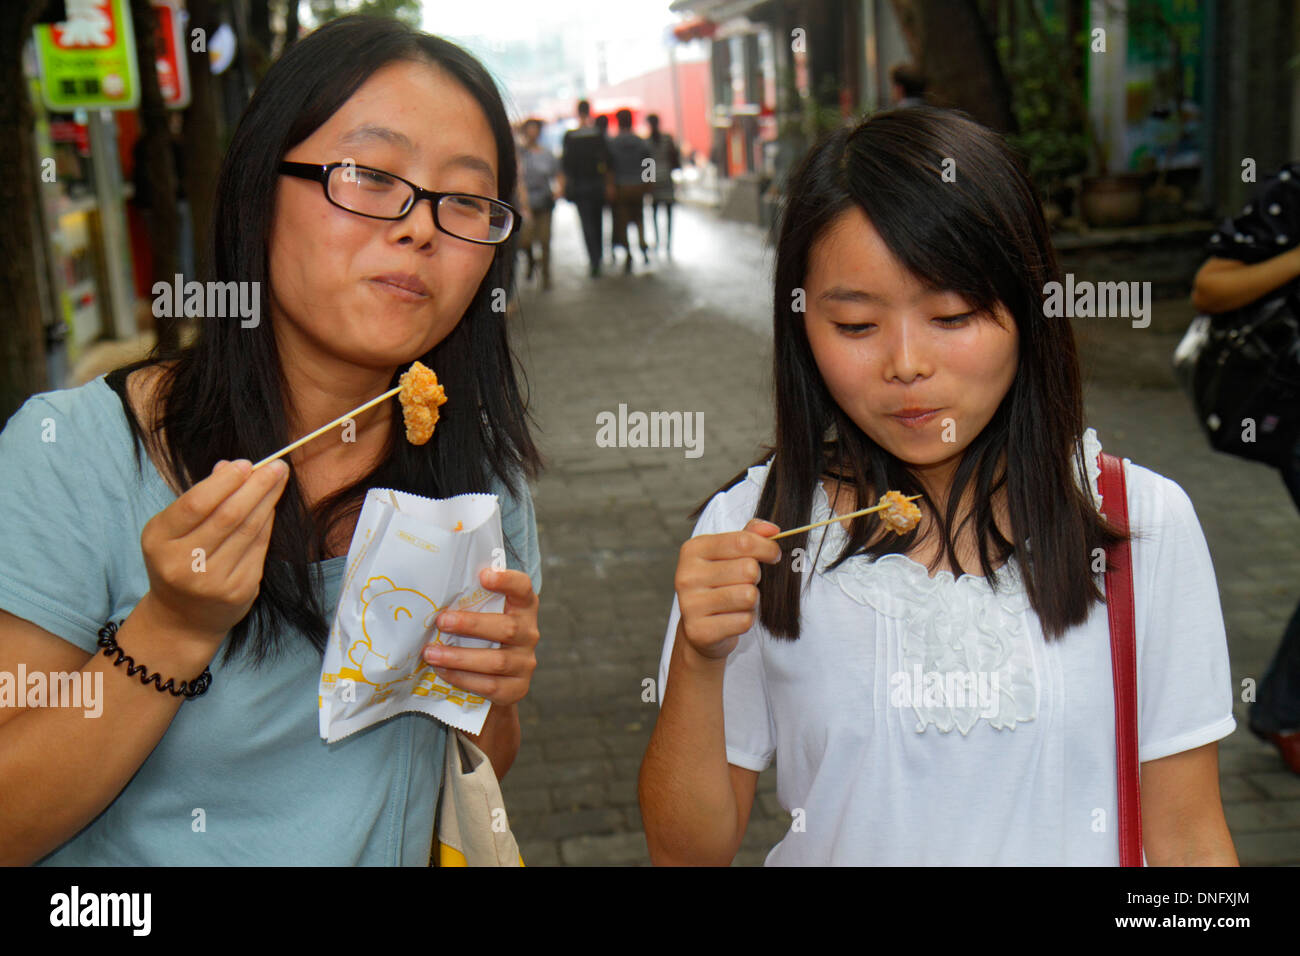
{"x":88,"y":60}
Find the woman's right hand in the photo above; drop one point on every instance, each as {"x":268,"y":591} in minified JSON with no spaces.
{"x":205,"y":551}
{"x":717,"y":585}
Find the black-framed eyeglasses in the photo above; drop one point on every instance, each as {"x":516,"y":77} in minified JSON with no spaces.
{"x":381,"y":195}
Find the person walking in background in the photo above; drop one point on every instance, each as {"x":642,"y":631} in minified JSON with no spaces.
{"x":667,"y":158}
{"x":539,"y":171}
{"x":628,"y":154}
{"x":907,"y":85}
{"x":607,"y":196}
{"x":1250,"y":257}
{"x":585,"y":161}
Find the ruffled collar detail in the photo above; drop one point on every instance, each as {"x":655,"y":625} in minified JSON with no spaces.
{"x":964,"y":648}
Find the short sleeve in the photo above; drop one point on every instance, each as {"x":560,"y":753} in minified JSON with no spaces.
{"x":747,"y":716}
{"x":53,"y":548}
{"x":1184,"y":678}
{"x":519,"y":528}
{"x":1266,"y":226}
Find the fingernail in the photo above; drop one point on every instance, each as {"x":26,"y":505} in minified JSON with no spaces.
{"x":281,"y":468}
{"x":433,"y":654}
{"x":447,"y":621}
{"x":244,"y":465}
{"x":221,"y":464}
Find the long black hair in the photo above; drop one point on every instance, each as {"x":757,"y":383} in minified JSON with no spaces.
{"x":223,"y":396}
{"x":982,"y":235}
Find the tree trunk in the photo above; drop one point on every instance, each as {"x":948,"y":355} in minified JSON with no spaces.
{"x":260,"y":36}
{"x":157,"y":153}
{"x":951,"y":43}
{"x":22,"y":335}
{"x":290,"y":24}
{"x":202,"y":139}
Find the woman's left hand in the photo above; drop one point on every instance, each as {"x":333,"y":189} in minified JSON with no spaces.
{"x":501,"y":674}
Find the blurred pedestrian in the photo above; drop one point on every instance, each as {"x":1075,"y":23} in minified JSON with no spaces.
{"x":607,"y":197}
{"x":907,"y":85}
{"x":1252,"y":256}
{"x":667,"y":158}
{"x":540,"y":170}
{"x":585,"y":163}
{"x":628,"y":160}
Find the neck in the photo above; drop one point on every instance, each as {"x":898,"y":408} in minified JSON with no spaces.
{"x":937,"y":480}
{"x":318,"y":388}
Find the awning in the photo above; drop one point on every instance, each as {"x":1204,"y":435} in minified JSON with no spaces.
{"x":694,"y":29}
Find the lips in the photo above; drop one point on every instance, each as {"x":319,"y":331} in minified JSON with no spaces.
{"x":915,"y":417}
{"x":403,"y":282}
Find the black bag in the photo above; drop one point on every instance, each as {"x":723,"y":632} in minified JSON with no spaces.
{"x":1242,"y":369}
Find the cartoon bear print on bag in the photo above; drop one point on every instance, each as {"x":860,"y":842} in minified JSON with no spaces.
{"x":405,"y":614}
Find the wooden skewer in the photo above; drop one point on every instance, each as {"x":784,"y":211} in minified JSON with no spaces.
{"x":864,"y":511}
{"x":324,"y":428}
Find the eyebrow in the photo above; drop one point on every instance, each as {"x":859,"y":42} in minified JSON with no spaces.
{"x":475,"y":164}
{"x":368,"y":132}
{"x":839,"y":293}
{"x":468,"y":161}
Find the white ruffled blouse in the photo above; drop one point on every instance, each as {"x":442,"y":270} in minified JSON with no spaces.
{"x":859,"y":712}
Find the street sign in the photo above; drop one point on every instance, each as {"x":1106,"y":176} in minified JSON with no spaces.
{"x":88,"y":60}
{"x":169,"y":44}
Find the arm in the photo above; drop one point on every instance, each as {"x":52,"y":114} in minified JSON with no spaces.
{"x":557,"y":180}
{"x":1182,"y":812}
{"x":566,"y":156}
{"x":1222,"y":285}
{"x":694,"y":805}
{"x":499,"y":738}
{"x":59,"y":769}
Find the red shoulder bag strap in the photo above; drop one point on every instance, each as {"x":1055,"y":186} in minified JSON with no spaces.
{"x":1123,"y":661}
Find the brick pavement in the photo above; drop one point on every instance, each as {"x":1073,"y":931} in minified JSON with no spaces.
{"x":692,"y":335}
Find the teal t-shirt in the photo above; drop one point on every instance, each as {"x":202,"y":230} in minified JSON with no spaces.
{"x":248,"y":753}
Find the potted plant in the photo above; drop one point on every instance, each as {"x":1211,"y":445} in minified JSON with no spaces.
{"x":1109,"y":199}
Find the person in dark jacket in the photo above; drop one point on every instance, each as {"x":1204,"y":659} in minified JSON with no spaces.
{"x":585,"y":162}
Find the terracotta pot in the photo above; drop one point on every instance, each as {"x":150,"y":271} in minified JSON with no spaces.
{"x":1114,"y":200}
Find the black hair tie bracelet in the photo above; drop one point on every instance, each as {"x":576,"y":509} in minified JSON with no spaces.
{"x":188,"y":689}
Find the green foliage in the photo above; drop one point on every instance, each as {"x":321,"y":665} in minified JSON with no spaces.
{"x":1046,"y":101}
{"x":408,"y":11}
{"x":811,"y":116}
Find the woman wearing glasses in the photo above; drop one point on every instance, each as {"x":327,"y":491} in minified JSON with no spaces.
{"x":360,"y":201}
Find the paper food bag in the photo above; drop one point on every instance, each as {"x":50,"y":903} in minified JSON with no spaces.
{"x":405,"y":565}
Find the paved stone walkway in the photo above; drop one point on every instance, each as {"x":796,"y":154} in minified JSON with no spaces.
{"x":692,"y":335}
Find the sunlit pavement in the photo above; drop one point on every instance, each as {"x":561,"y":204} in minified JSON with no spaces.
{"x":692,"y":334}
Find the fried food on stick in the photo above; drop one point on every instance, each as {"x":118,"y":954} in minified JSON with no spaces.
{"x":420,"y":397}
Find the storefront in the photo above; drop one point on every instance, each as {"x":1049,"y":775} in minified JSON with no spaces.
{"x":84,"y":88}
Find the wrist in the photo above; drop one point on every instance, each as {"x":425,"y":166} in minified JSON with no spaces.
{"x":696,"y":661}
{"x":190,"y":642}
{"x":188,"y":688}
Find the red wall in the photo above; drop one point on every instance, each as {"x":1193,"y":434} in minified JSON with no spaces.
{"x":653,"y":93}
